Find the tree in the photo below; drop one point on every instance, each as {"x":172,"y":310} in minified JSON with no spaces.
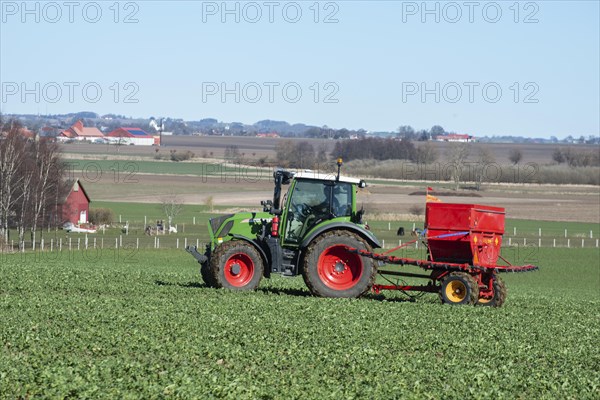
{"x":484,"y":160}
{"x":171,"y":206}
{"x":437,"y":130}
{"x":457,"y":154}
{"x":296,"y":155}
{"x":406,"y":132}
{"x":515,"y":156}
{"x":30,"y":182}
{"x":558,"y":156}
{"x":425,"y":153}
{"x":12,"y":151}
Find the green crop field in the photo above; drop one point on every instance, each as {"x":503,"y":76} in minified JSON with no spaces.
{"x":141,"y":324}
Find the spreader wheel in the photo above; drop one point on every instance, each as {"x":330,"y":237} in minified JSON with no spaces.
{"x":330,"y":270}
{"x":459,"y":288}
{"x":236,"y":265}
{"x":499,"y":296}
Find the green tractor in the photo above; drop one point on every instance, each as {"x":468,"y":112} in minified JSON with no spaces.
{"x":308,"y":232}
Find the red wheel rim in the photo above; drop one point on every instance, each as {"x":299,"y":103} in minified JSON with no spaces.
{"x":338,"y":268}
{"x":239,"y":270}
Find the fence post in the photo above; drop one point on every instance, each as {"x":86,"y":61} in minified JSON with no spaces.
{"x":120,"y":240}
{"x":119,"y":218}
{"x":597,"y":242}
{"x":582,"y":242}
{"x":78,"y":243}
{"x":42,"y":244}
{"x":591,"y":234}
{"x":540,"y":232}
{"x":565,"y":233}
{"x":102,"y":243}
{"x":137,"y":243}
{"x":184,"y":243}
{"x":510,"y":241}
{"x":198,"y":243}
{"x":194,"y":220}
{"x":177,"y":245}
{"x":383,"y":243}
{"x":554,"y":242}
{"x":515,"y":231}
{"x":540,"y":242}
{"x":86,"y":241}
{"x":51,"y":245}
{"x":158,"y":242}
{"x":144,"y":221}
{"x":524,"y":241}
{"x":389,"y":226}
{"x":116,"y":243}
{"x":94,"y":243}
{"x":568,"y":242}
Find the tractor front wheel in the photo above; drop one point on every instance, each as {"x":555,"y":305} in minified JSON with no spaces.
{"x":459,"y":288}
{"x":499,"y":296}
{"x":330,"y":270}
{"x":236,"y":265}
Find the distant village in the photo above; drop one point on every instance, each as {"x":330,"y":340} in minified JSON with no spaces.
{"x":122,"y":130}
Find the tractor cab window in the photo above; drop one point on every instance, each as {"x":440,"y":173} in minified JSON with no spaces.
{"x":315,"y":201}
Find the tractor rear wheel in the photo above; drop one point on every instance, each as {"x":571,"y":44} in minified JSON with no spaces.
{"x":499,"y":297}
{"x":236,"y":265}
{"x":459,"y":288}
{"x":330,"y":270}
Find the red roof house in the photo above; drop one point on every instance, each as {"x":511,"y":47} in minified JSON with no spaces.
{"x":131,"y":136}
{"x":79,"y":132}
{"x":76,"y":205}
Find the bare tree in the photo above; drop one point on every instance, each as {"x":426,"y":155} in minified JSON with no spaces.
{"x":515,"y":156}
{"x":171,"y":206}
{"x":48,"y":183}
{"x":457,"y":156}
{"x":12,"y":150}
{"x":484,"y":159}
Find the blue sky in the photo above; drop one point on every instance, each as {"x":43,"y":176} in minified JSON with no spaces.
{"x":482,"y":68}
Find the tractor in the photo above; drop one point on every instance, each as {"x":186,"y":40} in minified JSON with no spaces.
{"x":308,"y":232}
{"x":316,"y":231}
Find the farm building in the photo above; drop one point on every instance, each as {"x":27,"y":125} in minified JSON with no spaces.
{"x":76,"y":204}
{"x":135,"y":136}
{"x":79,"y":132}
{"x":455,"y":138}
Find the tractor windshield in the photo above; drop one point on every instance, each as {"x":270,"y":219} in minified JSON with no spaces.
{"x":314,"y":201}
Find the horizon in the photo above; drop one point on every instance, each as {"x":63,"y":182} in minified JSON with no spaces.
{"x":527,"y":69}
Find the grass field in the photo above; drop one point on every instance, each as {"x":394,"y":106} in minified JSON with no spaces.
{"x":142,"y":325}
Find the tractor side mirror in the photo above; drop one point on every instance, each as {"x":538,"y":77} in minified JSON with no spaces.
{"x":400,"y":231}
{"x":267,"y":205}
{"x":362,"y":184}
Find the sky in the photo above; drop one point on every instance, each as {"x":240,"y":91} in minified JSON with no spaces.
{"x":480,"y":68}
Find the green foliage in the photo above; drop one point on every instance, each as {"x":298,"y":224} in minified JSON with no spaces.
{"x":142,"y":325}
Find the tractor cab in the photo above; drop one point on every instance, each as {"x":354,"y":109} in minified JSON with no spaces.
{"x":314,"y":198}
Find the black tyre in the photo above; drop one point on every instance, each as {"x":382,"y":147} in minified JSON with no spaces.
{"x":206,"y":275}
{"x":330,"y":270}
{"x":459,"y":288}
{"x":236,"y":265}
{"x":499,"y":296}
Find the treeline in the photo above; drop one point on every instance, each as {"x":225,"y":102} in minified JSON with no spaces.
{"x":574,"y":158}
{"x":31,"y":184}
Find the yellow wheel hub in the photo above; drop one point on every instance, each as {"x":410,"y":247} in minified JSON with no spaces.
{"x":456,"y":291}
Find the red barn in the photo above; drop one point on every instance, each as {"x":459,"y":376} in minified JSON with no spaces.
{"x":76,"y":205}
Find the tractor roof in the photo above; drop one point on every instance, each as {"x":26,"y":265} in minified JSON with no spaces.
{"x":308,"y":174}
